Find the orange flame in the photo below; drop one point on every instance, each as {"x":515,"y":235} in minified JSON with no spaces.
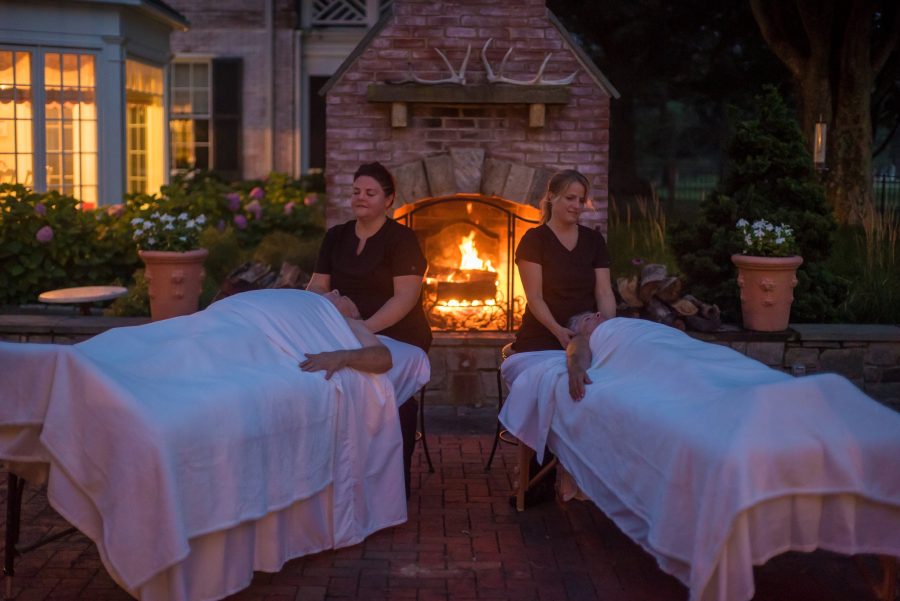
{"x":470,"y":258}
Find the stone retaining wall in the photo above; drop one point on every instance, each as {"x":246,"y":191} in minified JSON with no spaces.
{"x":463,"y":366}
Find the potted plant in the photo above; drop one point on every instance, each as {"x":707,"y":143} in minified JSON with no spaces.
{"x":767,"y":274}
{"x":169,"y":246}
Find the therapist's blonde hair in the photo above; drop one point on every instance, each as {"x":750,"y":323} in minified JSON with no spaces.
{"x":558,"y":184}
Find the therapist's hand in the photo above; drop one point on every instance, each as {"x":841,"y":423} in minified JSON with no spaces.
{"x":564,"y":335}
{"x":329,"y":362}
{"x":578,"y":379}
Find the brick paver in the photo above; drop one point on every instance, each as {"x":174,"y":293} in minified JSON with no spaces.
{"x":463,"y":542}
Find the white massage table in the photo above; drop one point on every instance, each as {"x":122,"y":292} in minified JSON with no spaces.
{"x":194,"y":450}
{"x":709,"y":460}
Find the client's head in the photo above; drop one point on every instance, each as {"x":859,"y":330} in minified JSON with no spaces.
{"x":585,"y":323}
{"x":346,"y":306}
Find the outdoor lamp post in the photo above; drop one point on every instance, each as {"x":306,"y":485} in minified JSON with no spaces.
{"x":819,"y":142}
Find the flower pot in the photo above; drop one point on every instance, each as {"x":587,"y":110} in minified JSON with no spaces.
{"x":767,"y":290}
{"x":174,"y":280}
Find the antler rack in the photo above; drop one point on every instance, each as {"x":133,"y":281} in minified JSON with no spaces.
{"x":537,"y":80}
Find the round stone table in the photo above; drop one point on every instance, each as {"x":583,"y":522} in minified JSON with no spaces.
{"x":82,"y":296}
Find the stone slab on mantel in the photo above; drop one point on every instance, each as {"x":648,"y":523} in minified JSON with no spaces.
{"x":468,"y":94}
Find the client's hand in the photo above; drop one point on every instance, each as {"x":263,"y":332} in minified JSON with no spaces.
{"x":578,"y":379}
{"x":329,"y":362}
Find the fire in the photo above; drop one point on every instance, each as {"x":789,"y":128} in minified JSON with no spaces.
{"x":470,"y":258}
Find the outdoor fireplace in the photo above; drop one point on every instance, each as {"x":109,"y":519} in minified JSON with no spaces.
{"x":469,"y":241}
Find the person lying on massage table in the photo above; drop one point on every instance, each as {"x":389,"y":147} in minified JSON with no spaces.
{"x":373,"y":357}
{"x":578,"y":351}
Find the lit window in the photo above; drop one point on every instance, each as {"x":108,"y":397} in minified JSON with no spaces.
{"x":16,"y":152}
{"x":190,"y":114}
{"x":144,"y":127}
{"x":71,"y":125}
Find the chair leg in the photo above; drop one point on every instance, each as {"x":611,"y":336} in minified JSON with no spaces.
{"x":524,"y":463}
{"x":422,"y":430}
{"x":487,"y":466}
{"x":14,"y":489}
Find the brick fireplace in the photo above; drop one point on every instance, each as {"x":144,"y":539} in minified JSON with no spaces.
{"x":472,"y":156}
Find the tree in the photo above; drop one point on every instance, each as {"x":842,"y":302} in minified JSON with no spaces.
{"x":770,"y":177}
{"x":835,"y":51}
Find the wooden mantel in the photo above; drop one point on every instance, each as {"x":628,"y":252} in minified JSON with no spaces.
{"x":399,"y":95}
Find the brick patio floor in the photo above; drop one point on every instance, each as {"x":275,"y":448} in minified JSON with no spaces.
{"x":462,"y":542}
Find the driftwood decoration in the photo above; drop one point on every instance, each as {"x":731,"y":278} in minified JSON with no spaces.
{"x":537,"y":80}
{"x":256,"y":276}
{"x":656,"y":296}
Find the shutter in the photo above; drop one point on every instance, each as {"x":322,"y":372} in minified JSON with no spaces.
{"x":227,"y":90}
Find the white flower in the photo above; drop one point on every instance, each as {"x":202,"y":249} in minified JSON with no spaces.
{"x":183,"y":216}
{"x":742,"y":222}
{"x":151,"y":240}
{"x":136,"y":221}
{"x":167,"y":218}
{"x":201,"y":219}
{"x":191,"y":223}
{"x":779,"y":240}
{"x":168,"y":227}
{"x":155,"y":215}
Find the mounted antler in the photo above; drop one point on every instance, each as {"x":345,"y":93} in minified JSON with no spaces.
{"x":536,"y":81}
{"x":455,"y":77}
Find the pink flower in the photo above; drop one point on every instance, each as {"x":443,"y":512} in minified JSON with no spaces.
{"x":257,"y":193}
{"x":240,"y":222}
{"x":234,"y":201}
{"x":115,"y":210}
{"x":40,"y":209}
{"x":256,"y":209}
{"x":44,"y":235}
{"x":310,"y":200}
{"x":289,"y":208}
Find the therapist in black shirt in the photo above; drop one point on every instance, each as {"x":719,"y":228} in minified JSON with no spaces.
{"x":564,"y":267}
{"x":379,"y":265}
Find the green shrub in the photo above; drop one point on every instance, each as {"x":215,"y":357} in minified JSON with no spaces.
{"x":770,"y":177}
{"x":47,"y":242}
{"x":277,"y":247}
{"x":637,"y":235}
{"x":136,"y":303}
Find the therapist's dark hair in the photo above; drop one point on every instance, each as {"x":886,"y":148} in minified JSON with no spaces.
{"x":379,"y":173}
{"x":558,"y":184}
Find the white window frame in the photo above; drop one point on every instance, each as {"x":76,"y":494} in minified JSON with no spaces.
{"x":173,"y":116}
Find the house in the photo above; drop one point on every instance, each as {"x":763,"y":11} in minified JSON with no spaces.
{"x":88,"y":86}
{"x":83,"y":95}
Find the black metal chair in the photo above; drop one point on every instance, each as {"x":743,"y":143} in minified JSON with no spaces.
{"x":420,"y":434}
{"x":501,"y":435}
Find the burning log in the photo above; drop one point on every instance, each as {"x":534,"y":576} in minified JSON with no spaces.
{"x":468,"y":285}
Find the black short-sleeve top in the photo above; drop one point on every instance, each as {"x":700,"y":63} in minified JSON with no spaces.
{"x":567,"y":281}
{"x":367,"y":278}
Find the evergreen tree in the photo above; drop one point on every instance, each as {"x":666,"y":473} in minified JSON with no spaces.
{"x":770,"y":177}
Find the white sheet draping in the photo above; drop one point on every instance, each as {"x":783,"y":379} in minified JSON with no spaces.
{"x":163,"y":436}
{"x":711,"y":460}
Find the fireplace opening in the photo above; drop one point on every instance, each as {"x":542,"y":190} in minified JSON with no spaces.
{"x":469,"y":241}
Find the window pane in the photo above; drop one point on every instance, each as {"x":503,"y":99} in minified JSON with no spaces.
{"x":70,"y":69}
{"x":88,"y":108}
{"x":54,"y":108}
{"x":88,"y":136}
{"x":25,"y":167}
{"x":201,"y":130}
{"x":23,"y":103}
{"x":202,"y":154}
{"x":201,"y":75}
{"x":68,"y":144}
{"x":181,"y":75}
{"x":89,"y":196}
{"x":52,"y":73}
{"x":23,"y":136}
{"x":200,"y":104}
{"x":68,"y":106}
{"x":88,"y":169}
{"x":87,"y":70}
{"x":23,"y":68}
{"x":181,"y":102}
{"x":7,"y":168}
{"x":53,"y":136}
{"x":54,"y":174}
{"x":6,"y":67}
{"x":7,"y":108}
{"x":7,"y":136}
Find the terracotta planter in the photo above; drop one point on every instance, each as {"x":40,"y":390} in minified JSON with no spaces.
{"x":767,"y":290}
{"x":174,"y":280}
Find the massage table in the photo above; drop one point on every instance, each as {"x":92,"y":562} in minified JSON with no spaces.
{"x":194,"y":450}
{"x":711,"y":461}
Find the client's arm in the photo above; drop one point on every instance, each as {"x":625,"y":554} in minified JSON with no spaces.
{"x":578,"y":360}
{"x":373,"y":357}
